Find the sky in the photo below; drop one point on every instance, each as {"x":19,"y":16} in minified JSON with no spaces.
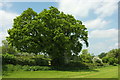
{"x":99,"y":16}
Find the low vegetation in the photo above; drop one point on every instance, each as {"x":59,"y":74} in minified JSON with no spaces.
{"x":103,"y":72}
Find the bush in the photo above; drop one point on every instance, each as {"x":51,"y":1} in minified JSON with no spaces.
{"x":105,"y":59}
{"x":8,"y":59}
{"x":41,"y":61}
{"x":36,"y":68}
{"x":115,"y":64}
{"x":79,"y":64}
{"x":91,"y":65}
{"x":24,"y":60}
{"x":111,"y":61}
{"x":10,"y":68}
{"x":75,"y":66}
{"x":105,"y":64}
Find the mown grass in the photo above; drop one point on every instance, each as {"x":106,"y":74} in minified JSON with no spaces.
{"x":104,"y":72}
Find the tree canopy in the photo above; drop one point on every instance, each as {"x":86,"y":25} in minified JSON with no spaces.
{"x":102,"y":55}
{"x":50,"y":31}
{"x":111,"y":57}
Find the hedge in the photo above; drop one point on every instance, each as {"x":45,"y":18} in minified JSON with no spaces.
{"x":24,"y":60}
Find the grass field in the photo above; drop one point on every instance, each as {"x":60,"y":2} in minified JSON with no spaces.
{"x":104,"y":72}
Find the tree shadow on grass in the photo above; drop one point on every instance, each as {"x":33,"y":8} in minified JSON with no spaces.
{"x":73,"y":69}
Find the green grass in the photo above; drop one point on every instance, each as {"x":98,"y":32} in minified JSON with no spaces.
{"x":104,"y":72}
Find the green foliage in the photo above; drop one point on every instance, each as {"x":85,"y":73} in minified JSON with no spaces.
{"x":85,"y":51}
{"x":41,"y":61}
{"x":102,"y":55}
{"x":112,"y":57}
{"x":113,"y":53}
{"x":85,"y":56}
{"x":113,"y":61}
{"x":36,"y":68}
{"x":91,"y":65}
{"x":8,"y":59}
{"x":105,"y":59}
{"x":49,"y":31}
{"x":94,"y":74}
{"x":10,"y":68}
{"x":77,"y":64}
{"x":6,"y":48}
{"x":0,"y":49}
{"x":24,"y":60}
{"x":110,"y":60}
{"x":71,"y":66}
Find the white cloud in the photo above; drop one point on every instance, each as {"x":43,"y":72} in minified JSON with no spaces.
{"x":106,"y":8}
{"x":110,"y":33}
{"x":96,"y":23}
{"x":75,"y":7}
{"x":97,"y":48}
{"x":81,"y":8}
{"x":6,"y":21}
{"x":100,"y":47}
{"x":1,"y":5}
{"x":116,"y":45}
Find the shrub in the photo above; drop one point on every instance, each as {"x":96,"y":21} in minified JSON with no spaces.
{"x":105,"y":64}
{"x":75,"y":66}
{"x":11,"y":68}
{"x":8,"y":59}
{"x":111,"y":61}
{"x":105,"y":59}
{"x":24,"y":60}
{"x":36,"y":68}
{"x":41,"y":61}
{"x":115,"y":64}
{"x":79,"y":64}
{"x":91,"y":65}
{"x":8,"y":68}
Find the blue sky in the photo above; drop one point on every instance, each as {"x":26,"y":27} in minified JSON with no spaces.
{"x":100,"y":17}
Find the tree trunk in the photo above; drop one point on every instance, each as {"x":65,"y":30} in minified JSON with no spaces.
{"x":58,"y":61}
{"x":66,"y":58}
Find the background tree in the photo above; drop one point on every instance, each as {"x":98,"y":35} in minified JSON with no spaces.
{"x":86,"y":56}
{"x":112,"y":57}
{"x":102,"y":55}
{"x":6,"y":48}
{"x":51,"y":32}
{"x":85,"y":51}
{"x":113,"y":53}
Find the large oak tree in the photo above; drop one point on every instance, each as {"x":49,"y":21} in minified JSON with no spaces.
{"x":51,"y":32}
